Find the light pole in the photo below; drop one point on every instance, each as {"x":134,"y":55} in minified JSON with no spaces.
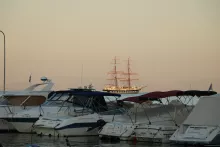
{"x":4,"y":59}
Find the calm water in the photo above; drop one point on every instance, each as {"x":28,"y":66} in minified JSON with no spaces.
{"x":22,"y":140}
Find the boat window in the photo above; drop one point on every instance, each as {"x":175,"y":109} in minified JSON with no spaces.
{"x":59,"y":97}
{"x":56,"y":99}
{"x":199,"y":127}
{"x":3,"y":101}
{"x":96,"y":103}
{"x":64,"y":97}
{"x":55,"y":96}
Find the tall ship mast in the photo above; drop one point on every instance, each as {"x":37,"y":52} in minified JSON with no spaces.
{"x":114,"y":74}
{"x":128,"y":75}
{"x":116,"y":87}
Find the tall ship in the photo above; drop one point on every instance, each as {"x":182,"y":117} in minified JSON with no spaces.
{"x":119,"y":77}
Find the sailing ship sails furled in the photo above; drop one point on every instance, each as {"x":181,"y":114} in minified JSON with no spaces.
{"x":116,"y":88}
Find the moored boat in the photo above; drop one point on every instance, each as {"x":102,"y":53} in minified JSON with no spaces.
{"x":13,"y":102}
{"x":162,"y":122}
{"x":99,"y":110}
{"x":202,"y":126}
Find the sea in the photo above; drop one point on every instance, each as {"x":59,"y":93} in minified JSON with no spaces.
{"x":26,"y":140}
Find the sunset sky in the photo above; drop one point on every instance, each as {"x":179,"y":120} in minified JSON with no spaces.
{"x":172,"y":43}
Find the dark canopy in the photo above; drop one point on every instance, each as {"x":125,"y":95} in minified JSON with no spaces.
{"x":198,"y":93}
{"x":84,"y":93}
{"x":158,"y":95}
{"x":153,"y":96}
{"x":82,"y":97}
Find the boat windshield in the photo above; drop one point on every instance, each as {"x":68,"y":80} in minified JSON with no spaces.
{"x":59,"y":99}
{"x":65,"y":99}
{"x":86,"y":99}
{"x":3,"y":101}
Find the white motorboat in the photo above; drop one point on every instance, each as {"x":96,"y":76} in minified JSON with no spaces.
{"x":86,"y":125}
{"x":202,"y":126}
{"x":162,"y":120}
{"x":82,"y":125}
{"x":60,"y":103}
{"x":12,"y":102}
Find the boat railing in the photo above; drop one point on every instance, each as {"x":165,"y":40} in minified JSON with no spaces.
{"x":25,"y":101}
{"x":7,"y":108}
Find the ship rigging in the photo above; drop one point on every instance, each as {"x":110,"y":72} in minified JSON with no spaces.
{"x":116,"y":77}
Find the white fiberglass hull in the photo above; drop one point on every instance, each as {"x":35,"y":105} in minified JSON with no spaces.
{"x":118,"y":130}
{"x":154,"y":133}
{"x":24,"y":120}
{"x":86,"y":125}
{"x":197,"y":135}
{"x":202,"y":125}
{"x":141,"y":132}
{"x":6,"y":113}
{"x":160,"y":129}
{"x":67,"y":126}
{"x":82,"y":131}
{"x":74,"y":129}
{"x":23,"y":127}
{"x":5,"y":126}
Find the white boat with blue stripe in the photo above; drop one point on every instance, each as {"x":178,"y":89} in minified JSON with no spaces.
{"x":102,"y":108}
{"x":59,"y":104}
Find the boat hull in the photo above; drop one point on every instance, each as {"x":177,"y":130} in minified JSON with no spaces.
{"x":23,"y":127}
{"x":145,"y":133}
{"x":154,"y":133}
{"x":86,"y":125}
{"x":122,"y":91}
{"x":6,"y":116}
{"x":118,"y":130}
{"x":5,"y":126}
{"x":202,"y":135}
{"x":70,"y":132}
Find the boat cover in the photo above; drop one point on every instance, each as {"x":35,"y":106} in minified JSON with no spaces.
{"x":90,"y":99}
{"x":159,"y":94}
{"x":84,"y":93}
{"x":153,"y":96}
{"x":198,"y":93}
{"x":206,"y":112}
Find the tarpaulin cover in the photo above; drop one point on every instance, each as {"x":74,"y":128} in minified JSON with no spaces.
{"x":159,"y":94}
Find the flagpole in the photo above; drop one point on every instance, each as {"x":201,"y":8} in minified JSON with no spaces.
{"x":30,"y":78}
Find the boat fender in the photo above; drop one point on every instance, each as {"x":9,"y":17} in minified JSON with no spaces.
{"x":134,"y":140}
{"x":120,"y":103}
{"x":100,"y":123}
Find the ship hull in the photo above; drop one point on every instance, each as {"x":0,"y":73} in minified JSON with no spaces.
{"x":123,"y":91}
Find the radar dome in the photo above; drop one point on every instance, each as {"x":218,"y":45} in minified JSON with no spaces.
{"x":44,"y":79}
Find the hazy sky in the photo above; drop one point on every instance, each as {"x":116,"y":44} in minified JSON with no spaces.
{"x":172,"y":43}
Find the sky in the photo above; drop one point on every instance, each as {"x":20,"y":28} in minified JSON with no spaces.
{"x":173,"y":44}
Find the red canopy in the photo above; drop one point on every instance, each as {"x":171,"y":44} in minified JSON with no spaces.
{"x":153,"y":96}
